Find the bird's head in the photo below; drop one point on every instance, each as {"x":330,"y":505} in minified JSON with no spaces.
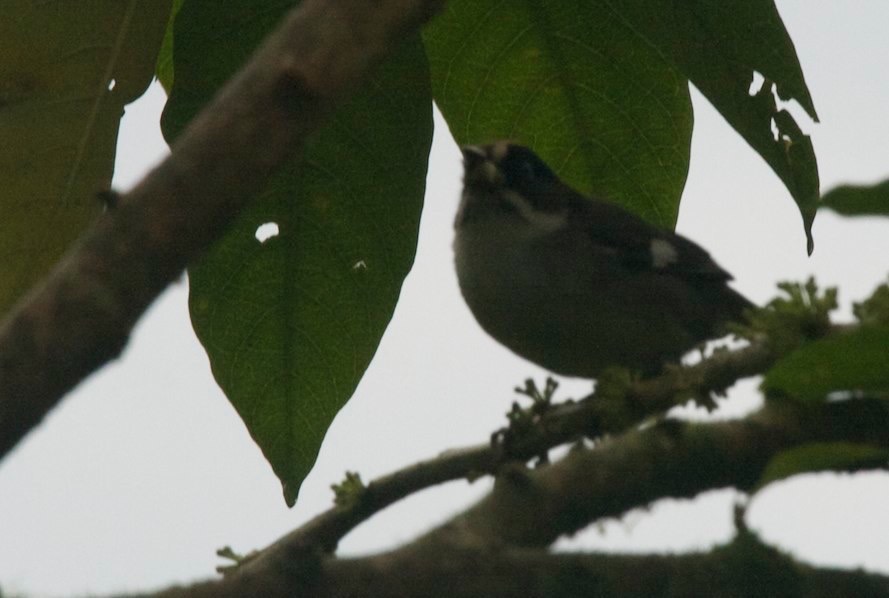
{"x":505,"y":181}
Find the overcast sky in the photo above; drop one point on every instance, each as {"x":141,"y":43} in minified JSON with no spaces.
{"x":145,"y":470}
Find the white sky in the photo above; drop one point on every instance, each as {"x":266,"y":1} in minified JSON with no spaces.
{"x":145,"y":469}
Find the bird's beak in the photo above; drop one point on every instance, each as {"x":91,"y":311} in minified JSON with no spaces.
{"x":478,"y":167}
{"x":473,"y":155}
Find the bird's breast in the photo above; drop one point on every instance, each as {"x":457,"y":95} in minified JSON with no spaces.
{"x":553,"y":301}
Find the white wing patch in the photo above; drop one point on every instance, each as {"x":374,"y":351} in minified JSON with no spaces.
{"x":662,"y":253}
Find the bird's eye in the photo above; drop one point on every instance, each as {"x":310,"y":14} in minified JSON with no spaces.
{"x":527,"y":169}
{"x":522,"y":168}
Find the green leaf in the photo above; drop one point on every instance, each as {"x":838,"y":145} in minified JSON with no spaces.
{"x":576,"y":82}
{"x":823,"y":456}
{"x":852,"y":363}
{"x":719,"y":46}
{"x":291,"y":322}
{"x":858,"y":200}
{"x":800,"y":314}
{"x":874,"y":311}
{"x":59,"y":120}
{"x":164,"y":66}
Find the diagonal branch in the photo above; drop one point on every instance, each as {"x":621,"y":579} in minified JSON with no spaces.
{"x":557,"y":425}
{"x":670,"y":459}
{"x":82,"y":314}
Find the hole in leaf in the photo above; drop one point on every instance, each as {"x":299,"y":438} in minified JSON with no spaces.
{"x":774,"y":126}
{"x":266,"y":231}
{"x":111,"y":84}
{"x":760,"y":86}
{"x":755,"y":83}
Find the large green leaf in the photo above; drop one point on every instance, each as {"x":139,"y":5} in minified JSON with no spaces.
{"x":597,"y":88}
{"x":858,"y":200}
{"x":290,"y":322}
{"x":850,"y":363}
{"x":719,"y":46}
{"x":66,"y":71}
{"x":574,"y":80}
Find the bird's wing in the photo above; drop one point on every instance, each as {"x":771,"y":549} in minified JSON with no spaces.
{"x":641,"y":246}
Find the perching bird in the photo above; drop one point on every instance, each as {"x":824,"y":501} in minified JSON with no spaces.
{"x":576,"y":284}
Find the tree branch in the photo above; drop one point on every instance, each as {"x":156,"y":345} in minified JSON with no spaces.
{"x":554,"y":426}
{"x":81,"y":316}
{"x":742,"y":568}
{"x":670,"y":459}
{"x":739,"y":569}
{"x":499,"y":541}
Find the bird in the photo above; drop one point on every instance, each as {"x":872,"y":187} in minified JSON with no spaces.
{"x":578,"y":284}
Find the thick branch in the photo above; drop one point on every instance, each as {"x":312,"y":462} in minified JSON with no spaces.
{"x":743,"y":568}
{"x":532,"y":508}
{"x":81,"y":316}
{"x":670,"y":459}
